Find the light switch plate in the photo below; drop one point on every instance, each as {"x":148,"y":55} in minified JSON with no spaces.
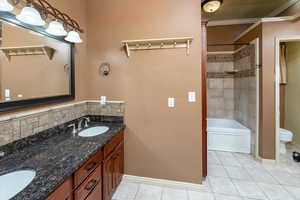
{"x":192,"y":96}
{"x":171,"y":102}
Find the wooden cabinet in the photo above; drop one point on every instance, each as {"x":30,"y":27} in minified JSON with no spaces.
{"x":113,"y":167}
{"x":99,"y":177}
{"x":88,"y":186}
{"x":63,"y":192}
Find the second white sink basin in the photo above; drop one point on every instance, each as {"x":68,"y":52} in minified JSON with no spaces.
{"x":13,"y":183}
{"x":94,"y":131}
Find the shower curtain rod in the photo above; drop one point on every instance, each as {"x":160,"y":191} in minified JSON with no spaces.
{"x":229,"y":44}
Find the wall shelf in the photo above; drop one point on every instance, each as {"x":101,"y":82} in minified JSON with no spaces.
{"x":162,"y":43}
{"x":28,"y":51}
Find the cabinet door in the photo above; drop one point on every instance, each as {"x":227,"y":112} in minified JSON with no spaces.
{"x":63,"y":192}
{"x":108,"y":183}
{"x":118,"y":165}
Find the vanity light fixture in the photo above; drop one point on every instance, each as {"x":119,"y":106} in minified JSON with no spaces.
{"x":29,"y":15}
{"x":211,"y":6}
{"x":73,"y":37}
{"x":56,"y":28}
{"x":5,"y":6}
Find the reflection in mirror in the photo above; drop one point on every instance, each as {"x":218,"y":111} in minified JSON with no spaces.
{"x":32,"y":65}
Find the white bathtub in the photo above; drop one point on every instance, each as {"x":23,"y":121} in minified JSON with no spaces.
{"x":228,"y":135}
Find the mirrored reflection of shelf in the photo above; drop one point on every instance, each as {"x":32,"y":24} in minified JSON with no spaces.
{"x":28,"y":51}
{"x":162,"y":43}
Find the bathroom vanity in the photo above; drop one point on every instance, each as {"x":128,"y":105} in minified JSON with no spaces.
{"x":68,"y":166}
{"x":98,"y":177}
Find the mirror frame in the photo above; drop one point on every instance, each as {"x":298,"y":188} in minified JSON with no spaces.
{"x":13,"y":105}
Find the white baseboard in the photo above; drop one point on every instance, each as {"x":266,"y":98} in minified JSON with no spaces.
{"x":165,"y":183}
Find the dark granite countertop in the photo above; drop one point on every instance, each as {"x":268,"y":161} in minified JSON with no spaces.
{"x":54,"y":158}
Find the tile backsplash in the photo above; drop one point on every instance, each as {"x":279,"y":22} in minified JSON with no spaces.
{"x":15,"y":127}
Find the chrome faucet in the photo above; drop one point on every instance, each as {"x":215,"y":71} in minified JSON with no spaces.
{"x":74,"y":129}
{"x":84,"y":119}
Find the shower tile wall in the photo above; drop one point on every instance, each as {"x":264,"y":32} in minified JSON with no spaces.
{"x":245,"y":89}
{"x":233,"y":96}
{"x":220,"y":86}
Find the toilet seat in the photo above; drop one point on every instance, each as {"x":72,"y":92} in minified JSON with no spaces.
{"x":286,"y":135}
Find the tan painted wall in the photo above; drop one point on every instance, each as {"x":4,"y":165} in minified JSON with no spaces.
{"x":270,"y":32}
{"x":35,"y":75}
{"x":160,"y":142}
{"x":292,"y":117}
{"x":224,"y":34}
{"x":76,"y":9}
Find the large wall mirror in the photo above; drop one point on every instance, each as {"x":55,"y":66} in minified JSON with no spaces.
{"x":35,"y":68}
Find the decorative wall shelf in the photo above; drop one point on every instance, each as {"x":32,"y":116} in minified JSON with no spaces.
{"x":28,"y":51}
{"x":163,"y":43}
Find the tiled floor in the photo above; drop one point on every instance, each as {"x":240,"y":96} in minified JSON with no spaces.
{"x":232,"y":176}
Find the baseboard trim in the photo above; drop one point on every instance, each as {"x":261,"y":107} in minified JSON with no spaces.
{"x":165,"y":183}
{"x":268,"y":161}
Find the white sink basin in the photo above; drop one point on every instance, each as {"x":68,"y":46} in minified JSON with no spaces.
{"x":14,"y":182}
{"x":94,"y":131}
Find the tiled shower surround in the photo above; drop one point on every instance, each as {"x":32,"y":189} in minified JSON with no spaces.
{"x":233,"y":95}
{"x":15,"y":127}
{"x":220,"y":86}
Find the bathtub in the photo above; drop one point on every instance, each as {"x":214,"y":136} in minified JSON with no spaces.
{"x":228,"y":135}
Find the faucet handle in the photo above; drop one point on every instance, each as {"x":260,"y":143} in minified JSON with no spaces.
{"x":74,"y":127}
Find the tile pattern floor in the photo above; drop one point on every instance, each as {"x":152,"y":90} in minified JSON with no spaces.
{"x":231,"y":176}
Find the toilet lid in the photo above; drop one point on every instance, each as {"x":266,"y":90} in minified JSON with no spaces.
{"x":286,"y":132}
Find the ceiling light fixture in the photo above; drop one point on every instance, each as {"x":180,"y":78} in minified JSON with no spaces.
{"x":56,"y":28}
{"x":5,"y":6}
{"x":73,"y":37}
{"x":211,"y":6}
{"x":29,"y":15}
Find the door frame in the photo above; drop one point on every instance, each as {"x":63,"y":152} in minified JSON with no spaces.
{"x":204,"y":95}
{"x":278,"y":40}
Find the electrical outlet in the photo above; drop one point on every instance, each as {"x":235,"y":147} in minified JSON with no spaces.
{"x":103,"y":100}
{"x":192,"y":96}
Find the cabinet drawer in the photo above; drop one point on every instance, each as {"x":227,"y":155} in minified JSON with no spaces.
{"x":63,"y":192}
{"x":110,"y":146}
{"x":89,"y":185}
{"x":87,"y":168}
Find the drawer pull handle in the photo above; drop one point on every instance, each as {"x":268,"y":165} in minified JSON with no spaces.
{"x":92,"y":184}
{"x":91,"y":166}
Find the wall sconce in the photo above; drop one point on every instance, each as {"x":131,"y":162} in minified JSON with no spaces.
{"x":74,"y":37}
{"x":5,"y":6}
{"x":56,"y":28}
{"x":29,"y":15}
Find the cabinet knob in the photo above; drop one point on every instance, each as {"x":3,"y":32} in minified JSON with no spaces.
{"x":91,"y":166}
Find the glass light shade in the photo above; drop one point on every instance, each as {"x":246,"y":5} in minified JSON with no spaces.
{"x":30,"y":15}
{"x":5,"y":6}
{"x":74,"y":37}
{"x":56,"y":28}
{"x":212,"y":6}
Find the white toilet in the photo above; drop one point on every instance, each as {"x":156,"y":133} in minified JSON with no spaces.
{"x":285,"y":137}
